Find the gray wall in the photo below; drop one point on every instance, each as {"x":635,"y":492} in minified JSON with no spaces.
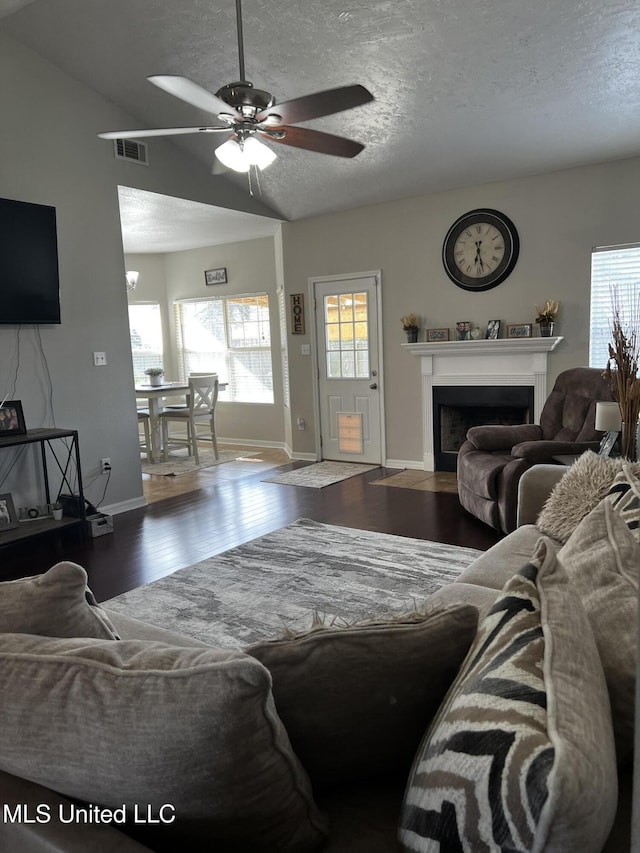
{"x":49,"y":154}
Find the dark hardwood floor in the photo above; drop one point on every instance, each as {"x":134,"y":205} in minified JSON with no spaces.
{"x":170,"y":534}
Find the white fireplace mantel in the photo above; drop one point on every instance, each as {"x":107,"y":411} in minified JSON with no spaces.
{"x":506,"y":362}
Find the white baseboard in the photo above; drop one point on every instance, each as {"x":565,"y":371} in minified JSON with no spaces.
{"x":247,"y":442}
{"x":405,"y":463}
{"x":124,"y":506}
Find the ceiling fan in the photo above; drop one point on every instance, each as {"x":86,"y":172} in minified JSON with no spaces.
{"x":250,"y":115}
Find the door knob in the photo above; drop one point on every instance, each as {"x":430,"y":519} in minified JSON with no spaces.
{"x":373,"y":386}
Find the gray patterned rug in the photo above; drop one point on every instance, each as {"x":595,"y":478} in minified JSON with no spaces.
{"x":321,"y":474}
{"x":256,"y":591}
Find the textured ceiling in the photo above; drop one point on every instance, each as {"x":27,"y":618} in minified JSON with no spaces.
{"x":466,"y":92}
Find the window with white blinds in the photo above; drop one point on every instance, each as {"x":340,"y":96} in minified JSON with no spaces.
{"x":230,"y":336}
{"x":145,"y":330}
{"x":615,"y":275}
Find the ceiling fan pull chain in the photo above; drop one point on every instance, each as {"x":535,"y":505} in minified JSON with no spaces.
{"x":240,"y":39}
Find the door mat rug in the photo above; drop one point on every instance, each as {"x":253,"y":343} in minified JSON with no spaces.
{"x":320,"y":474}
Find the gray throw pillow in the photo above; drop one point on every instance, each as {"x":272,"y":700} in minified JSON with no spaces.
{"x":521,"y":755}
{"x":602,"y":560}
{"x":57,"y":603}
{"x":355,"y":700}
{"x":142,"y":722}
{"x":581,"y":488}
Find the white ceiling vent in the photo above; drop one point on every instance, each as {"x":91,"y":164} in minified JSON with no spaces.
{"x":128,"y":149}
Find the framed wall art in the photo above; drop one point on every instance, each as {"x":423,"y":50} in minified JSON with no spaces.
{"x":218,"y":276}
{"x":11,"y":419}
{"x":437,"y":335}
{"x":519,"y":330}
{"x":297,"y":313}
{"x":493,"y":330}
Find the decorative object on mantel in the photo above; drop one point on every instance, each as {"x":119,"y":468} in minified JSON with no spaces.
{"x":476,"y":333}
{"x":622,"y":372}
{"x":155,"y":375}
{"x":410,"y":324}
{"x":493,"y":330}
{"x":463,"y":330}
{"x":520,"y":330}
{"x":434,"y":335}
{"x":547,"y":316}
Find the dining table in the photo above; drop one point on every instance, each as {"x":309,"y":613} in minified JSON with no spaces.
{"x":155,"y":395}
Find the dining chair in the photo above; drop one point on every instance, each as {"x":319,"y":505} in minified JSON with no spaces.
{"x":200,"y":408}
{"x":145,"y":438}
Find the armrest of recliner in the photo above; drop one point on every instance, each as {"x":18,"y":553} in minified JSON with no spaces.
{"x":502,"y":437}
{"x":534,"y":487}
{"x":540,"y":452}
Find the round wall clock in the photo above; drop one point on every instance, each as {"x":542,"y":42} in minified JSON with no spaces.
{"x":480,"y":249}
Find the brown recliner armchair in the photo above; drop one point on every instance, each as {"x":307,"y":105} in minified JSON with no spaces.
{"x":494,"y":457}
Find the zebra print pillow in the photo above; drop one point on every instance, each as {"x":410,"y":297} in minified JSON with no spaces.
{"x":511,"y":761}
{"x":624,"y":495}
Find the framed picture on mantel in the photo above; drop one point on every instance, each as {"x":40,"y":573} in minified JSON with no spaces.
{"x":519,"y":330}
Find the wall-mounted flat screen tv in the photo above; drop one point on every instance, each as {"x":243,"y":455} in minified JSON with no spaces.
{"x":29,"y":282}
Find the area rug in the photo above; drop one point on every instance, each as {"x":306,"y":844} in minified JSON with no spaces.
{"x":180,"y":463}
{"x":320,"y":474}
{"x":256,"y":591}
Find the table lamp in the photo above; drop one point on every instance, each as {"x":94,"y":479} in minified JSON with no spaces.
{"x":608,"y":421}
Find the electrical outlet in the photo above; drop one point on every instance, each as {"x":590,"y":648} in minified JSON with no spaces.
{"x":99,"y":359}
{"x":105,"y":465}
{"x":301,"y":423}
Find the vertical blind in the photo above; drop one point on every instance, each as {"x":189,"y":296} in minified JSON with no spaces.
{"x":615,"y":276}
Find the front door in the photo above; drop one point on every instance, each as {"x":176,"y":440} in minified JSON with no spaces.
{"x":347,"y":333}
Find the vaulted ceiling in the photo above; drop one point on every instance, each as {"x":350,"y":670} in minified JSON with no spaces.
{"x":465,"y":92}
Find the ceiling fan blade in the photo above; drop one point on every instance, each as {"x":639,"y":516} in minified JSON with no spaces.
{"x":317,"y":105}
{"x":315,"y":140}
{"x":161,"y":131}
{"x":192,"y":93}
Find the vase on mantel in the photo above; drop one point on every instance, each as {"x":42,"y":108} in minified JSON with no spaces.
{"x":546,"y":329}
{"x":412,"y":336}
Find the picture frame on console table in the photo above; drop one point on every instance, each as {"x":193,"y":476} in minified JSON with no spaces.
{"x":435,"y":335}
{"x":519,"y":330}
{"x":8,"y":517}
{"x":11,"y":419}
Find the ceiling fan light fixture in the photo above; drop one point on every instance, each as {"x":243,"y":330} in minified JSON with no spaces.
{"x":132,"y":279}
{"x":232,"y":156}
{"x":257,"y":153}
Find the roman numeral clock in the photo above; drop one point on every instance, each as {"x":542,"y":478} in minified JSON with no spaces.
{"x":481,"y":249}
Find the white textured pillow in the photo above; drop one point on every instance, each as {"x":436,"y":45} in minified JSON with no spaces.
{"x":57,"y":603}
{"x":583,"y":486}
{"x":148,"y":723}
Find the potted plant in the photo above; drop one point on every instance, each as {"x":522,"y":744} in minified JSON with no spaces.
{"x":547,"y":315}
{"x":56,"y":511}
{"x":155,"y":375}
{"x":410,"y":325}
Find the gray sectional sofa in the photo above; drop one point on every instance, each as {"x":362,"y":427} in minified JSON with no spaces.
{"x":347,"y":739}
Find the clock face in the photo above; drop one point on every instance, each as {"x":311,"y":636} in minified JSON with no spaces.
{"x":480,"y":249}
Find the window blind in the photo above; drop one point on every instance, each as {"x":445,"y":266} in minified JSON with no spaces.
{"x":615,"y":274}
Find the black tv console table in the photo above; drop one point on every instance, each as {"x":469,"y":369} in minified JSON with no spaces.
{"x":63,"y":453}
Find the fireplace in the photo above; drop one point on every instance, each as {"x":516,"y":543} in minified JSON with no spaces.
{"x":456,"y":408}
{"x":485,"y":365}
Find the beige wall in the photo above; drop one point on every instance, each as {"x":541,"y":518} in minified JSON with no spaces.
{"x":250,"y":269}
{"x":559,"y":217}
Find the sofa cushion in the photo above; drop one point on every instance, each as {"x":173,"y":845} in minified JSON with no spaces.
{"x":354,"y":700}
{"x":602,"y":560}
{"x":148,"y":723}
{"x":57,"y":603}
{"x":582,"y":487}
{"x":513,"y":760}
{"x":494,"y":568}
